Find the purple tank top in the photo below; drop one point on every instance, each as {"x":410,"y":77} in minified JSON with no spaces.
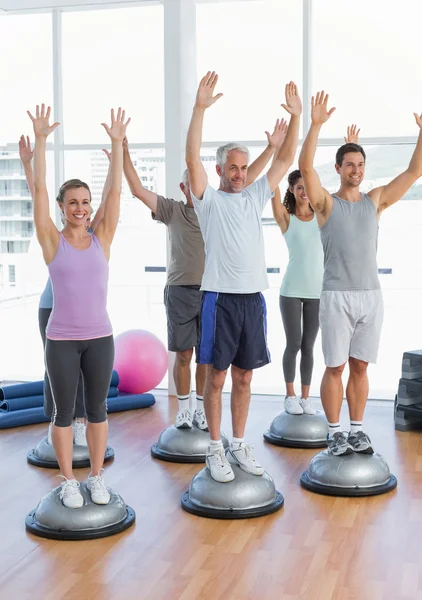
{"x":79,"y":279}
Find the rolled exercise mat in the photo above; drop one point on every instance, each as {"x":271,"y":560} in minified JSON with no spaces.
{"x":113,"y":392}
{"x":29,"y":416}
{"x":22,"y":390}
{"x":14,"y":404}
{"x":129,"y":402}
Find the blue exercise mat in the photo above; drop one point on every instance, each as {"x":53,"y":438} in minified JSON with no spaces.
{"x":14,"y":404}
{"x":22,"y":390}
{"x":113,"y":392}
{"x":36,"y":388}
{"x":31,"y":416}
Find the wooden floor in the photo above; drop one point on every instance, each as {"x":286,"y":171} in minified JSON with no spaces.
{"x":316,"y":547}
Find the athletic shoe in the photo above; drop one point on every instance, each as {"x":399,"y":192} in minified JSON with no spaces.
{"x":183,"y":419}
{"x":200,"y":420}
{"x":79,"y":433}
{"x":49,"y":438}
{"x":98,"y":489}
{"x":360,"y":442}
{"x":307,"y":407}
{"x":338,"y":445}
{"x":245,"y":459}
{"x":292,"y":406}
{"x":70,"y":494}
{"x":218,"y":465}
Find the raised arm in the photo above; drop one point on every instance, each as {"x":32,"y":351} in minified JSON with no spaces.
{"x":352,"y":136}
{"x":100,"y":210}
{"x":198,"y":179}
{"x":318,"y":196}
{"x":280,"y":213}
{"x":137,"y":189}
{"x":275,"y":140}
{"x":26,"y":155}
{"x":47,"y":232}
{"x":389,"y":194}
{"x":107,"y":227}
{"x":286,"y":153}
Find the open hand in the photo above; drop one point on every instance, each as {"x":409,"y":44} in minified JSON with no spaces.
{"x":42,"y":128}
{"x":117,"y":131}
{"x":277,"y":137}
{"x":319,"y":112}
{"x":293,"y":102}
{"x":418,"y":119}
{"x":25,"y":151}
{"x":352,"y":136}
{"x":205,"y":95}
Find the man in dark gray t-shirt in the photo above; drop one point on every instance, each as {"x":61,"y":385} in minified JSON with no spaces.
{"x":351,"y":307}
{"x":182,"y":294}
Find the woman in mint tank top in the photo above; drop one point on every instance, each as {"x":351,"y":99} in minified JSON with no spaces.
{"x":79,"y":333}
{"x":46,"y":302}
{"x":300,"y":289}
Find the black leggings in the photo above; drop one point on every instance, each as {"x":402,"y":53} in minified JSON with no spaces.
{"x":65,"y":359}
{"x":43,"y":316}
{"x":292,"y":310}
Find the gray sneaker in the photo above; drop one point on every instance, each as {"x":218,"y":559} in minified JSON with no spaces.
{"x":339,"y":445}
{"x":360,"y":442}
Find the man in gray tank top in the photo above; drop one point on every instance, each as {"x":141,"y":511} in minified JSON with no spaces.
{"x":351,"y":307}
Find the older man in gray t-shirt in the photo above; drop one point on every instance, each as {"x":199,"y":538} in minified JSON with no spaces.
{"x":233,"y":318}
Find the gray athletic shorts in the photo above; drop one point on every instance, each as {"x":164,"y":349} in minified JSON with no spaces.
{"x":183,"y":308}
{"x":350,"y":324}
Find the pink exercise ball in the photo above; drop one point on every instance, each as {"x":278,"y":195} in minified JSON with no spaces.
{"x":140,"y":361}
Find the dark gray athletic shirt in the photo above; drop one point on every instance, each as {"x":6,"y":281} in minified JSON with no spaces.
{"x":349,"y":240}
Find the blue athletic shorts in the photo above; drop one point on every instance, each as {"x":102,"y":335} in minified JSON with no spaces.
{"x":233,"y":331}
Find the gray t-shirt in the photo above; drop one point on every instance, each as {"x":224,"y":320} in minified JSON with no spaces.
{"x":234,"y":241}
{"x":349,"y":239}
{"x":187,"y":255}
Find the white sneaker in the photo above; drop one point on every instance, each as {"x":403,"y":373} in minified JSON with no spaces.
{"x":307,"y":407}
{"x":49,"y":438}
{"x":183,"y":419}
{"x":70,"y":493}
{"x":245,"y":459}
{"x":98,"y":489}
{"x":200,"y":420}
{"x":292,"y":406}
{"x":79,"y":433}
{"x":219,"y":466}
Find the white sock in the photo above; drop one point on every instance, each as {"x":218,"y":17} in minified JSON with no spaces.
{"x":333,"y":428}
{"x":236,"y":442}
{"x":215,"y":445}
{"x":199,"y":402}
{"x":183,"y":402}
{"x":355,"y":426}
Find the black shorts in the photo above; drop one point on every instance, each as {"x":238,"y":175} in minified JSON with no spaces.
{"x":183,"y":308}
{"x":233,"y":331}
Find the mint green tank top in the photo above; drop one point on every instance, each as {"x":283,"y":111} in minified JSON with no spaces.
{"x":303,"y":276}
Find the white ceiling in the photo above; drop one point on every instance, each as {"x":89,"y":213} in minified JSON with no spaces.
{"x":21,"y":5}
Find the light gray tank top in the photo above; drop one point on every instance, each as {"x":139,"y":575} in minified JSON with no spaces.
{"x":349,"y":240}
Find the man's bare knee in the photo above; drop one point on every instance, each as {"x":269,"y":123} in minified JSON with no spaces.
{"x":184,"y":358}
{"x":358,"y":367}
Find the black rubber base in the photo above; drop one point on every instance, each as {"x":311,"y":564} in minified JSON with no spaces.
{"x":85,"y":534}
{"x":272,"y":439}
{"x":339,"y":491}
{"x":76,"y":464}
{"x":215,"y":513}
{"x":177,"y":458}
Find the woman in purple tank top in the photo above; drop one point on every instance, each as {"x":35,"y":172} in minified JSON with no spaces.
{"x":79,"y":334}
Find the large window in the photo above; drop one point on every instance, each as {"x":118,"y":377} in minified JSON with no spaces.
{"x":367,"y":56}
{"x":256,"y":48}
{"x":113,"y":58}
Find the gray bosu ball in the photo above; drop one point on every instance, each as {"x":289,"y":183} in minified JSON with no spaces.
{"x":51,"y":519}
{"x":355,"y":474}
{"x":298,"y":431}
{"x":246,"y":496}
{"x":183,"y":445}
{"x":43,"y":455}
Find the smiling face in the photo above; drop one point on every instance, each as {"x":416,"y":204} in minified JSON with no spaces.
{"x":76,"y":206}
{"x":298,"y":191}
{"x":233,"y":173}
{"x":352,"y":169}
